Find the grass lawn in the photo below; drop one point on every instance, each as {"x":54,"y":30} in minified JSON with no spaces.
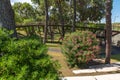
{"x":115,"y":58}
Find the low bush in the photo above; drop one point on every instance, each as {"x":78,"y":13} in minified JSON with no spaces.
{"x":4,"y":38}
{"x":80,"y":48}
{"x":25,"y":59}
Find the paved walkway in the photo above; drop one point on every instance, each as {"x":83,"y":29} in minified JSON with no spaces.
{"x":95,"y":69}
{"x":99,"y":77}
{"x":100,"y":68}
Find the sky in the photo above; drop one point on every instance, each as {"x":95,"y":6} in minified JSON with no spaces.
{"x":13,"y":1}
{"x":115,"y":10}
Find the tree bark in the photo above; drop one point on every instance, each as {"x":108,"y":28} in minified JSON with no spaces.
{"x":61,"y":17}
{"x":108,"y":31}
{"x":46,"y":21}
{"x":7,"y":16}
{"x":74,"y":17}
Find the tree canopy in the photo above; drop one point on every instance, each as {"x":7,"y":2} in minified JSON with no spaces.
{"x":86,"y":10}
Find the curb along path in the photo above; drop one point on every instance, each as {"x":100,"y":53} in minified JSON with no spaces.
{"x":99,"y":77}
{"x":100,"y":68}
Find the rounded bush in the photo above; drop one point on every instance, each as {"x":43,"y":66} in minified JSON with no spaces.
{"x":80,"y":47}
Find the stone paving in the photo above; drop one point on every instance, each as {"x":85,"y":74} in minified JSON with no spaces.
{"x":99,"y":77}
{"x":108,"y":77}
{"x":98,"y":68}
{"x":79,"y":78}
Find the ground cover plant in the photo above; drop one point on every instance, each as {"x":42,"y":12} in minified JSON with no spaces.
{"x":80,"y":47}
{"x":25,"y":59}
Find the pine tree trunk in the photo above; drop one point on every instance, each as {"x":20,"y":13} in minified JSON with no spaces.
{"x":108,"y":31}
{"x":61,"y":17}
{"x":74,"y":17}
{"x":46,"y":21}
{"x":7,"y":16}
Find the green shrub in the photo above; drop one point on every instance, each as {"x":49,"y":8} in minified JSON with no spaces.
{"x":26,"y":59}
{"x":4,"y":38}
{"x":80,"y":47}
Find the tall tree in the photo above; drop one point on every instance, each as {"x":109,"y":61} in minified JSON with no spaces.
{"x":24,"y":11}
{"x":46,"y":21}
{"x":7,"y":16}
{"x":108,"y":30}
{"x":87,"y":10}
{"x":91,"y":10}
{"x":59,"y":2}
{"x":74,"y":17}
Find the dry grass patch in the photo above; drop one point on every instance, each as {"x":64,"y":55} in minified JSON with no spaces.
{"x":65,"y":70}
